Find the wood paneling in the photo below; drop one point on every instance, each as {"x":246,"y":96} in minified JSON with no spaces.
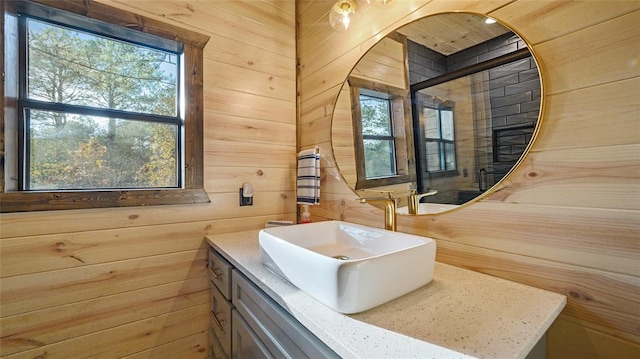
{"x":538,"y":20}
{"x":54,"y":222}
{"x":34,"y":254}
{"x":131,"y":282}
{"x":450,"y":33}
{"x":560,"y":177}
{"x":574,"y":112}
{"x":127,"y":339}
{"x":384,"y":64}
{"x":51,"y":325}
{"x":606,"y":300}
{"x":25,"y":293}
{"x":219,"y":100}
{"x":612,"y":60}
{"x":568,"y":219}
{"x":569,"y":340}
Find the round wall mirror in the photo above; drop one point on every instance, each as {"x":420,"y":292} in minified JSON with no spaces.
{"x":444,"y":107}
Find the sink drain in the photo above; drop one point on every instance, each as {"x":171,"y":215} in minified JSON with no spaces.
{"x":340,"y":257}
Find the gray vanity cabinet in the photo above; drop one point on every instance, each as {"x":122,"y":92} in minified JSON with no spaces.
{"x":247,"y":323}
{"x":246,"y":343}
{"x":221,"y":306}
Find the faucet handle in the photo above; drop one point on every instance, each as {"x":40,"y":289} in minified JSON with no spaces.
{"x":390,"y":205}
{"x":430,"y":193}
{"x":414,"y":200}
{"x":377,"y":199}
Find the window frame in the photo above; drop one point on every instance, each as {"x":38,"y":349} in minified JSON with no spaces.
{"x":28,"y":104}
{"x":390,"y":138}
{"x":402,"y":130}
{"x":192,"y":169}
{"x":441,"y":141}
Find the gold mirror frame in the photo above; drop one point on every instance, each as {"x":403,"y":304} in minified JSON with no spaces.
{"x":498,"y":183}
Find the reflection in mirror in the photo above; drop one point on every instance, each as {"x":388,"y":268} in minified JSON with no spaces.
{"x":458,"y":103}
{"x":470,"y":131}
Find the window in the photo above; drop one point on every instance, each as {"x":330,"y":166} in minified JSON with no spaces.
{"x":440,"y":141}
{"x":377,"y":137}
{"x":382,"y":134}
{"x":95,"y":113}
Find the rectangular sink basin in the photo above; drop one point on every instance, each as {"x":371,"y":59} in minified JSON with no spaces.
{"x":348,"y":267}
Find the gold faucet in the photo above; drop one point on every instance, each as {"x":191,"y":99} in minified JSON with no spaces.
{"x":414,"y":200}
{"x":389,"y":209}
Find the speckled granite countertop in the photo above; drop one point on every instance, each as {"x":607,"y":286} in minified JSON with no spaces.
{"x":460,"y":314}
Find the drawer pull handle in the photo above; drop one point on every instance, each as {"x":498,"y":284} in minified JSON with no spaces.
{"x":215,"y":319}
{"x":214,"y":274}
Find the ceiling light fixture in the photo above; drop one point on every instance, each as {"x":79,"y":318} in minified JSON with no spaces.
{"x":489,"y":21}
{"x":341,"y":14}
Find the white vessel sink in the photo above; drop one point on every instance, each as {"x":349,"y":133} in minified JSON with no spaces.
{"x":426,"y":208}
{"x":348,"y":267}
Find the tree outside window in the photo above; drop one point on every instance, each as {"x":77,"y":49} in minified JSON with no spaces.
{"x":378,"y":137}
{"x":97,"y":114}
{"x":383,"y":138}
{"x":69,"y":146}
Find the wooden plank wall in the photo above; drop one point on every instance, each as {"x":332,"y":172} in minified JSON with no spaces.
{"x":130,"y":282}
{"x":568,"y":219}
{"x":384,"y":64}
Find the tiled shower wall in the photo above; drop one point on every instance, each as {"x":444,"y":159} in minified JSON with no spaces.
{"x":514,"y":96}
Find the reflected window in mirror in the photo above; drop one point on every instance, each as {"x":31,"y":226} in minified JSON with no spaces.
{"x":377,"y":135}
{"x":440,"y":142}
{"x":382,"y":134}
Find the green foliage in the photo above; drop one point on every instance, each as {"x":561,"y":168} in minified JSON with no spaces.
{"x":376,"y":118}
{"x":378,"y":151}
{"x":379,"y":158}
{"x":70,"y":151}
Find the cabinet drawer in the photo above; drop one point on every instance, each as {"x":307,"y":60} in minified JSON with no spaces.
{"x":221,"y":319}
{"x":215,"y":348}
{"x":245,"y":343}
{"x":282,"y":334}
{"x":220,"y":273}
